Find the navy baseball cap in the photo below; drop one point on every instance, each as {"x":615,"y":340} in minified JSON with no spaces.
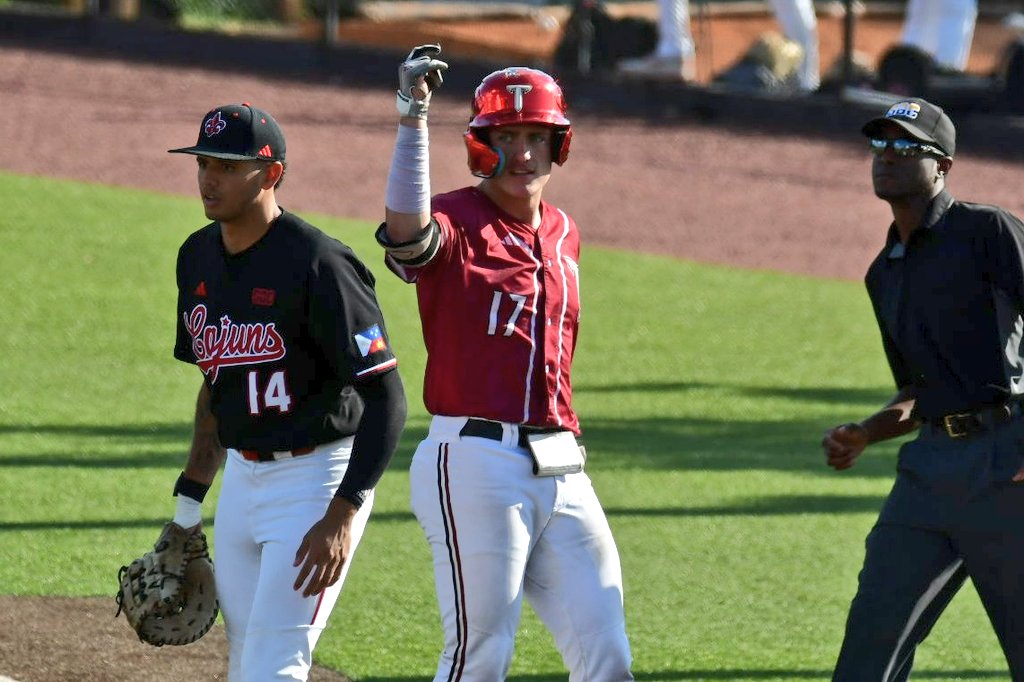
{"x":238,"y":132}
{"x":922,"y":119}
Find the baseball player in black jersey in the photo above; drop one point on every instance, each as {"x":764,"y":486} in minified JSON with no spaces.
{"x":300,"y":396}
{"x":948,"y":294}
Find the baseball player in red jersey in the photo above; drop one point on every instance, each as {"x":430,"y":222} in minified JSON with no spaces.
{"x":300,"y":396}
{"x":498,"y":484}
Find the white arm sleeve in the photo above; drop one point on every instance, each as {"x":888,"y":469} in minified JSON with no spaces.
{"x":408,"y":189}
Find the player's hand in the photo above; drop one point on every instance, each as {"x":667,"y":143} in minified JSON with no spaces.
{"x":325,"y":548}
{"x":843,"y":444}
{"x":418,"y":76}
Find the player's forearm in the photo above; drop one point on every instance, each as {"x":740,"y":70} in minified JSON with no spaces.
{"x":894,"y":419}
{"x":412,"y":122}
{"x":207,"y":454}
{"x":407,"y":200}
{"x":376,"y":440}
{"x":204,"y":459}
{"x":405,"y":227}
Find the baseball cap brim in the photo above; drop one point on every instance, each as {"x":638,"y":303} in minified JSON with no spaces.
{"x":874,"y":126}
{"x":200,"y":151}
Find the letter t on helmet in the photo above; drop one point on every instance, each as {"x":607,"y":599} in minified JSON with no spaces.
{"x":511,"y":96}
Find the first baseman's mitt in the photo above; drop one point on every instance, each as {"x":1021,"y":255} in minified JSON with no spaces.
{"x":168,"y":595}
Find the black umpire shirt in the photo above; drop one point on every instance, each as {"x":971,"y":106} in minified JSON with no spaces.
{"x":948,"y":304}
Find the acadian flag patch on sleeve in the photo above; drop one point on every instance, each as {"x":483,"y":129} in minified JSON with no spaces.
{"x":371,"y":340}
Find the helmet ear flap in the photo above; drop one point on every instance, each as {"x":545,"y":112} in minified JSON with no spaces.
{"x":485,"y":161}
{"x":560,"y":145}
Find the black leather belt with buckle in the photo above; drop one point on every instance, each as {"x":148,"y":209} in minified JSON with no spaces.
{"x":963,"y":424}
{"x":481,"y":428}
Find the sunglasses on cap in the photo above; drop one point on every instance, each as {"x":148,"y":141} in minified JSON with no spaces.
{"x":903,"y":147}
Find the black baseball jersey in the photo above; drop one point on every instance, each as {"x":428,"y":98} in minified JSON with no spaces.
{"x":281,"y":332}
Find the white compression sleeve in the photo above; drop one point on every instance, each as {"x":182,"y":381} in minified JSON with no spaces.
{"x":409,"y":178}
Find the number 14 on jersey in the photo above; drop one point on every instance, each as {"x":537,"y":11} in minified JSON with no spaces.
{"x":274,"y":395}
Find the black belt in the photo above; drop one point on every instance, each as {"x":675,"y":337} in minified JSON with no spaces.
{"x":273,"y":456}
{"x":481,"y":428}
{"x":963,"y":424}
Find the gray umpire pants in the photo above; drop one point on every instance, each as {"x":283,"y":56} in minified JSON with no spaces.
{"x":953,"y":513}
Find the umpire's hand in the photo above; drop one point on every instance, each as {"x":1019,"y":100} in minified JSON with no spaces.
{"x":843,"y":444}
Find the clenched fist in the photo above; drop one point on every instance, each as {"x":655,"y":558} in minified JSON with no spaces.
{"x":843,"y":444}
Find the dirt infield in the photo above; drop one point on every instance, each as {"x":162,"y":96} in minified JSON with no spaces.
{"x":737,"y":198}
{"x":57,"y":639}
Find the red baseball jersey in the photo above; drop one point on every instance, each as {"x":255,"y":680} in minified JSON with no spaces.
{"x":500,"y":306}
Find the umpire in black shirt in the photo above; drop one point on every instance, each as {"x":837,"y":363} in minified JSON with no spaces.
{"x":948,"y":292}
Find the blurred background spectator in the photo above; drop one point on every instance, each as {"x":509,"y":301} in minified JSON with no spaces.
{"x":675,"y":56}
{"x":942,"y":28}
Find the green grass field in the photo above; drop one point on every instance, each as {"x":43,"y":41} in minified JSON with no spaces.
{"x":703,"y":392}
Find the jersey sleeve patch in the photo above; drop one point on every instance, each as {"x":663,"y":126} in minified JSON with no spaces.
{"x":370,"y":341}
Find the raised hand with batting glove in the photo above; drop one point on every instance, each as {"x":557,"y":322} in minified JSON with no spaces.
{"x":418,"y":76}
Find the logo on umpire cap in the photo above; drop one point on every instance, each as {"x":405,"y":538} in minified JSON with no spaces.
{"x":904,"y":110}
{"x":214,"y":125}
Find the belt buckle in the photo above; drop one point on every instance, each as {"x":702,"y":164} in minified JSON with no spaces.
{"x":948,"y":424}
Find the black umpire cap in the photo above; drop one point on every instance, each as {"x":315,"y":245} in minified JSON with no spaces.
{"x":922,"y":119}
{"x":238,"y":132}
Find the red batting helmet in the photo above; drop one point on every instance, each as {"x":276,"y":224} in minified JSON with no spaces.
{"x":515,"y":95}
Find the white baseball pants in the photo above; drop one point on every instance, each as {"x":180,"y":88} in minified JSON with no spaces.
{"x":799,"y":23}
{"x":498,"y":532}
{"x":942,"y":28}
{"x":264,"y":510}
{"x":674,"y":36}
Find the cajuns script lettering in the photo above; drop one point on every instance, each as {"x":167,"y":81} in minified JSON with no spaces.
{"x":231,"y":344}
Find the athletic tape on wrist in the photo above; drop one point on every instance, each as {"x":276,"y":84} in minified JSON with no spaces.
{"x":188,"y":512}
{"x":408,"y":189}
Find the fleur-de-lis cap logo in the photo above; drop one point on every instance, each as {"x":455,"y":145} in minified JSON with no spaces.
{"x":214,"y":125}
